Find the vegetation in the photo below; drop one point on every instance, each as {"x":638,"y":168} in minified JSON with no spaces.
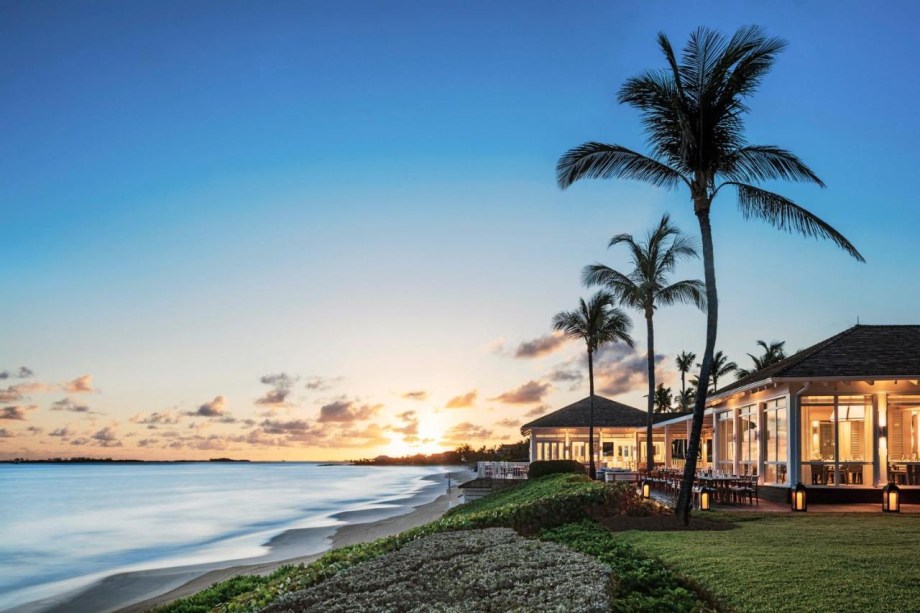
{"x":773,"y":352}
{"x":664,"y":399}
{"x":647,"y":287}
{"x":693,"y":112}
{"x":721,"y":367}
{"x":541,"y":468}
{"x":597,"y":323}
{"x":684,"y":362}
{"x":464,"y":454}
{"x":801,"y":562}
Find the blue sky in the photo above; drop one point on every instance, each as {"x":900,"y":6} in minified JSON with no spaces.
{"x":196,"y":195}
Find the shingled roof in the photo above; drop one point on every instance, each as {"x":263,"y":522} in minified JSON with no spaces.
{"x":861,"y":351}
{"x":607,"y":414}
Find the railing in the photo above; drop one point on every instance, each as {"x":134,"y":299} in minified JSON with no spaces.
{"x":502,"y":470}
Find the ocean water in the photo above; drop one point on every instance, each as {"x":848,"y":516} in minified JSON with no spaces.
{"x":65,"y":526}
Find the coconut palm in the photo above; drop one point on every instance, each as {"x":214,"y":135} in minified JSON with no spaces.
{"x":773,"y":352}
{"x":693,"y":112}
{"x":664,"y":398}
{"x":721,"y":367}
{"x":684,"y":362}
{"x":686,"y":398}
{"x":647,"y":287}
{"x":597,"y":322}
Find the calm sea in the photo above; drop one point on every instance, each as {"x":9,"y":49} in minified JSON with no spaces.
{"x":65,"y":526}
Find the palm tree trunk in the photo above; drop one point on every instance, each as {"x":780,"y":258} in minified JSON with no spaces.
{"x":649,"y":442}
{"x":592,"y":470}
{"x":712,"y":319}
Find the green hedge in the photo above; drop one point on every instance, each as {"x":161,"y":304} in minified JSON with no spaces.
{"x":553,"y":467}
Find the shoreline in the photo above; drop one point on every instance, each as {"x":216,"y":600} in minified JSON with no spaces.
{"x":136,"y":591}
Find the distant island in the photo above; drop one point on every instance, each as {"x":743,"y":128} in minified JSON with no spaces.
{"x":465,"y":454}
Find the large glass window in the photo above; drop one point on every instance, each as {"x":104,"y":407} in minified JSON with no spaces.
{"x":904,"y":439}
{"x":775,"y":440}
{"x":748,"y":430}
{"x":725,"y":424}
{"x":836,"y":440}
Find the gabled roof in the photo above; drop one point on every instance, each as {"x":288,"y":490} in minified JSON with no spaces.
{"x":607,"y":414}
{"x":861,"y":351}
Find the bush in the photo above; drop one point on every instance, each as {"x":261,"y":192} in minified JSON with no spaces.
{"x":552,"y":467}
{"x":640,"y":583}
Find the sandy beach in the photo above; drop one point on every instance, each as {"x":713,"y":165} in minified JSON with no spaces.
{"x":143,"y":590}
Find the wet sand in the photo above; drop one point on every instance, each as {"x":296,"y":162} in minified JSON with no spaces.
{"x":142,"y":590}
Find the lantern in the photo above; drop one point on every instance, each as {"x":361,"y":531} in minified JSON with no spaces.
{"x":891,"y":498}
{"x":705,"y":499}
{"x":646,"y":489}
{"x":799,"y":498}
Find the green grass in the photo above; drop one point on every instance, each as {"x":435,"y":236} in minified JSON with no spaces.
{"x":814,"y":562}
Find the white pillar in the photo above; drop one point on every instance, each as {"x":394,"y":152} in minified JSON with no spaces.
{"x":880,"y":461}
{"x":533,"y":446}
{"x":736,"y":428}
{"x":667,"y":446}
{"x":715,"y":442}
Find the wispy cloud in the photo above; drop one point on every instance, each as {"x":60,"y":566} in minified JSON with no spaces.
{"x":80,"y":385}
{"x":463,"y":401}
{"x":214,"y":408}
{"x":321,"y":384}
{"x":416,"y":395}
{"x":16,"y":412}
{"x":465,"y":432}
{"x":106,"y":438}
{"x":619,"y":369}
{"x":71,"y":405}
{"x":532,"y":391}
{"x":540,"y":347}
{"x":157,"y":418}
{"x":23,"y":372}
{"x":537,"y":411}
{"x":347,"y":411}
{"x":281,"y":385}
{"x":508,"y":423}
{"x":64,"y":432}
{"x":4,"y":433}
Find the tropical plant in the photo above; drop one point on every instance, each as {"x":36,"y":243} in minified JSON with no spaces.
{"x":596,"y":322}
{"x":721,"y":367}
{"x":773,"y":352}
{"x":686,"y":398}
{"x":647,"y":287}
{"x":684,"y":362}
{"x":664,"y":399}
{"x":693,"y":112}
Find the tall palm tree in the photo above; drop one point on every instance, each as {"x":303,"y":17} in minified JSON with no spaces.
{"x":773,"y":352}
{"x":686,"y":398}
{"x":647,"y":287}
{"x":693,"y":112}
{"x":721,"y":367}
{"x":663,"y":399}
{"x":597,"y":322}
{"x":684,"y":362}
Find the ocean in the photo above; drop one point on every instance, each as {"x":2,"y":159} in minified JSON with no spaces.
{"x":65,"y":526}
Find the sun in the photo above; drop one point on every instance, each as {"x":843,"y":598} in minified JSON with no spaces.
{"x":430,"y":435}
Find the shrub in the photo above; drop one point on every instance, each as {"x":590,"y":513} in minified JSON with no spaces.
{"x":552,"y":467}
{"x":640,"y":583}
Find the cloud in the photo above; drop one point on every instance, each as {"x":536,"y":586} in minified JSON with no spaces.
{"x":619,"y":369}
{"x":80,"y":441}
{"x":69,"y":404}
{"x":417,"y":395}
{"x":147,"y":442}
{"x":496,"y":346}
{"x":465,"y":432}
{"x":409,"y":429}
{"x":157,"y":418}
{"x":322,"y":384}
{"x":540,"y":347}
{"x":462,"y":402}
{"x":4,"y":433}
{"x":281,"y":389}
{"x":215,"y":408}
{"x":62,"y":432}
{"x":347,"y":411}
{"x":106,"y":438}
{"x":508,"y":423}
{"x":24,"y":372}
{"x":80,"y":385}
{"x":34,"y":430}
{"x":17,"y":412}
{"x":537,"y":411}
{"x":532,"y":391}
{"x":567,"y":372}
{"x":15,"y":393}
{"x":271,"y":426}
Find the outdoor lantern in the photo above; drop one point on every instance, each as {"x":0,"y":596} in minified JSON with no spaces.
{"x":646,"y":489}
{"x":891,"y":498}
{"x":799,"y":498}
{"x":705,"y":499}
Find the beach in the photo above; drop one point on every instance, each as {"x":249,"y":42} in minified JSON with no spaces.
{"x":142,"y":590}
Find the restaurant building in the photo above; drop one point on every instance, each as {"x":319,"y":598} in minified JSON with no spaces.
{"x":842,"y":417}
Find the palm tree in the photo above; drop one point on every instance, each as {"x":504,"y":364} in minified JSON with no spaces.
{"x":773,"y":352}
{"x":596,"y":322}
{"x":693,"y":112}
{"x":647,"y":287}
{"x":663,"y":399}
{"x":686,"y":398}
{"x":721,"y":367}
{"x":684,"y":361}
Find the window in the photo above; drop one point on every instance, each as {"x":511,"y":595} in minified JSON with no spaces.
{"x":725,"y":426}
{"x":837,"y":440}
{"x":748,"y":430}
{"x":775,"y":440}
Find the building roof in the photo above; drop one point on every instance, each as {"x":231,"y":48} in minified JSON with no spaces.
{"x":861,"y":351}
{"x":607,"y":414}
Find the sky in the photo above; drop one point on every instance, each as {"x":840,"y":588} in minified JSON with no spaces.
{"x":311,"y":231}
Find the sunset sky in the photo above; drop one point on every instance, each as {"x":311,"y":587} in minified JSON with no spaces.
{"x":304,"y":230}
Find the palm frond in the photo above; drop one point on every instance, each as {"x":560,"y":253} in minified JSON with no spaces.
{"x":784,"y":214}
{"x":684,"y":292}
{"x":600,"y":161}
{"x":766,"y":162}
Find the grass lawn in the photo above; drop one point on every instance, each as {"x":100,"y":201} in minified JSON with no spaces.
{"x":813,"y":562}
